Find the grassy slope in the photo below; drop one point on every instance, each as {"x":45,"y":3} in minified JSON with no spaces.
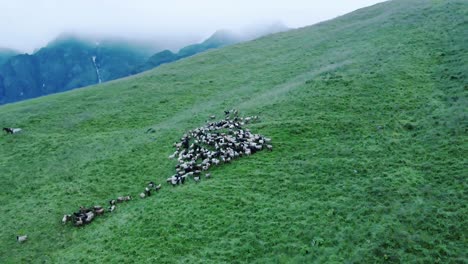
{"x":335,"y":189}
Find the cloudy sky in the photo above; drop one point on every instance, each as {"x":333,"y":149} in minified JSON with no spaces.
{"x":29,"y":24}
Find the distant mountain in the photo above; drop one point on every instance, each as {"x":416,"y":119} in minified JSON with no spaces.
{"x":219,"y":39}
{"x":6,"y":54}
{"x":157,"y":59}
{"x":20,"y":77}
{"x":67,"y":63}
{"x":70,"y":62}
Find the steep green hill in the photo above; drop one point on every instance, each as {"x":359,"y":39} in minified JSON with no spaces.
{"x":367,"y":114}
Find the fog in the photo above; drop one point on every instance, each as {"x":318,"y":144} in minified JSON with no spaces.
{"x":26,"y":25}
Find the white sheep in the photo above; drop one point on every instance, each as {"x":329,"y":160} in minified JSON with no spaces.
{"x":66,"y":218}
{"x":21,"y":239}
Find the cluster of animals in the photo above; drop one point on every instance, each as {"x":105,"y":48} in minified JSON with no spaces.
{"x":10,"y":130}
{"x":199,"y":149}
{"x":87,"y":215}
{"x":214,"y":144}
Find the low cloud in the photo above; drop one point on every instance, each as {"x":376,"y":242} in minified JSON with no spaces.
{"x":26,"y":25}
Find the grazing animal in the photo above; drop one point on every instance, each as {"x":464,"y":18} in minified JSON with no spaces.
{"x":112,"y":202}
{"x":196,"y":178}
{"x":10,"y":130}
{"x":269,"y":147}
{"x":151,"y":184}
{"x":208,"y":175}
{"x":157,"y":187}
{"x":112,"y":208}
{"x":89,"y":217}
{"x":66,"y":218}
{"x":98,"y":210}
{"x":79,"y":221}
{"x":21,"y":239}
{"x":174,"y":181}
{"x":142,"y":195}
{"x":147,"y":191}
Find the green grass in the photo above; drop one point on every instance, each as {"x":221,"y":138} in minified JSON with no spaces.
{"x":367,"y":114}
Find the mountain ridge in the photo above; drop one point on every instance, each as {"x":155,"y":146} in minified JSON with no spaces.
{"x":71,"y":61}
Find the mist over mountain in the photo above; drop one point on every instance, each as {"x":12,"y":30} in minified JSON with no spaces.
{"x":6,"y":54}
{"x":72,"y":61}
{"x":66,"y":63}
{"x":219,"y":39}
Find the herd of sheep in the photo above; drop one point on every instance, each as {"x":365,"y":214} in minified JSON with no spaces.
{"x":213,"y":144}
{"x":199,"y":149}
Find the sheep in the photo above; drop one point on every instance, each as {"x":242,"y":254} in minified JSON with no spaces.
{"x":208,"y":175}
{"x":157,"y":187}
{"x":112,"y":202}
{"x":112,"y":208}
{"x":269,"y":147}
{"x":171,"y":179}
{"x":147,"y":191}
{"x":10,"y":130}
{"x":66,"y":218}
{"x":79,"y":221}
{"x":175,"y":181}
{"x":142,"y":195}
{"x":122,"y":199}
{"x":89,"y":217}
{"x":196,"y":178}
{"x":98,"y":210}
{"x":21,"y":239}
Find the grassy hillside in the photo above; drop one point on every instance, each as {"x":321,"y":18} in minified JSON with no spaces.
{"x":367,"y":114}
